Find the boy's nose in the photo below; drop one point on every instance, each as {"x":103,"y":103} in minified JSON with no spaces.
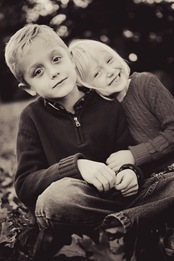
{"x":53,"y":73}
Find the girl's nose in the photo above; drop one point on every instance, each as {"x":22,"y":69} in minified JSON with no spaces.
{"x":109,"y":71}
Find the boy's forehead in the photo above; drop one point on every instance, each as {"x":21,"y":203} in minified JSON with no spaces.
{"x":48,"y":44}
{"x":38,"y":52}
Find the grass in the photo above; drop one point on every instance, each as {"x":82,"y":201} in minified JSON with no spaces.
{"x":9,"y":116}
{"x":14,"y":216}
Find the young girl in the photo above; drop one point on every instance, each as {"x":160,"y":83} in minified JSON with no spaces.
{"x":148,"y":105}
{"x":149,"y":108}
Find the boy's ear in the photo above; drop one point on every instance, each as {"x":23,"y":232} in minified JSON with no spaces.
{"x":73,"y":64}
{"x":27,"y":88}
{"x":72,"y":61}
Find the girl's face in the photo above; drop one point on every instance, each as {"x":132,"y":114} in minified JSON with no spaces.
{"x":107,"y":74}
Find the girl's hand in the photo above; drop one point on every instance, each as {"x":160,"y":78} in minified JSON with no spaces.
{"x":127,"y":183}
{"x":119,"y":158}
{"x":97,"y":174}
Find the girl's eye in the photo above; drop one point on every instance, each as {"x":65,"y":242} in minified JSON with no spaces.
{"x":97,"y":74}
{"x":109,"y":60}
{"x":38,"y":72}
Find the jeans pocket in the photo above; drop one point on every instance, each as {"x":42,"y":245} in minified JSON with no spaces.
{"x":145,"y":191}
{"x":149,"y":191}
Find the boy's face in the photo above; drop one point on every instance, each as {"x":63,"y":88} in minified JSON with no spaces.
{"x":107,"y":74}
{"x":48,"y":69}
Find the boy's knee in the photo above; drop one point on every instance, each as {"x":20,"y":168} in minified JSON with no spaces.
{"x":57,"y":193}
{"x":58,"y":201}
{"x":61,"y":195}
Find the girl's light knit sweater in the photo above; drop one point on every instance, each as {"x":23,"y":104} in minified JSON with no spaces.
{"x":149,"y":108}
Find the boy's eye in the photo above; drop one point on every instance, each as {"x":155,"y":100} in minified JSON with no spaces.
{"x":56,"y":59}
{"x":38,"y":72}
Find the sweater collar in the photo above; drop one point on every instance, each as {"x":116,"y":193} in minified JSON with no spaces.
{"x":78,"y":105}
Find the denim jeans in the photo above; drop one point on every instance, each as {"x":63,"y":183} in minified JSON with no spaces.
{"x":153,"y":205}
{"x":74,"y":204}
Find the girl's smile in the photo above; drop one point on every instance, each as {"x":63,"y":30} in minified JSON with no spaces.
{"x":107,"y":75}
{"x":115,"y":79}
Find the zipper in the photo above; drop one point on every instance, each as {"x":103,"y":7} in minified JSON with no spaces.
{"x":77,"y":123}
{"x":78,"y":130}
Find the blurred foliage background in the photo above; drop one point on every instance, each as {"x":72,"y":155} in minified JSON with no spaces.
{"x":142,"y":31}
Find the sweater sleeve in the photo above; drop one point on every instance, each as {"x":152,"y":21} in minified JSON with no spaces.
{"x":161,"y":103}
{"x":34,"y":174}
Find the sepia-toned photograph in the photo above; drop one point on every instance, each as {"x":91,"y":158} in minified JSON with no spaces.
{"x":87,"y":130}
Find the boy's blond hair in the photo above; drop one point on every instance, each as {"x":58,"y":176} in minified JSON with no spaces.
{"x":20,"y":43}
{"x":83,"y":50}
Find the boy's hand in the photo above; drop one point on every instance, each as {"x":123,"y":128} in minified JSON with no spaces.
{"x":119,"y":158}
{"x":126,"y":182}
{"x":97,"y":174}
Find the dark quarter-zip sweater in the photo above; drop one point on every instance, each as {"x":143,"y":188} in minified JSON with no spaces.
{"x":50,"y":140}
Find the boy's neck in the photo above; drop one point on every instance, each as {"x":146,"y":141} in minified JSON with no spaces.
{"x":69,"y":101}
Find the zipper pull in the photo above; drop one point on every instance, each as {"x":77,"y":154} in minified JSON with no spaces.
{"x":77,"y":122}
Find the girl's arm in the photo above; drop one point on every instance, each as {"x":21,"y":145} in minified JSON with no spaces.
{"x":161,"y":104}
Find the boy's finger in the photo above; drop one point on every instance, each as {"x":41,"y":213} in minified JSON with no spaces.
{"x":96,"y":183}
{"x":110,"y":171}
{"x":114,"y":167}
{"x":104,"y":182}
{"x":109,"y":176}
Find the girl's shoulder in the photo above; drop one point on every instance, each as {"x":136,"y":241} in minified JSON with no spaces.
{"x":149,"y":86}
{"x":144,"y":81}
{"x":142,"y":77}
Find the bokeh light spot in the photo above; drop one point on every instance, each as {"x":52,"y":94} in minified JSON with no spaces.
{"x":133,"y":57}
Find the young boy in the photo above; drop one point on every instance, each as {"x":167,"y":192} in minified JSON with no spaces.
{"x":64,"y":139}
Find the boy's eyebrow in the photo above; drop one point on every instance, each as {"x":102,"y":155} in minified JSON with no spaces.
{"x":56,"y":51}
{"x":33,"y":66}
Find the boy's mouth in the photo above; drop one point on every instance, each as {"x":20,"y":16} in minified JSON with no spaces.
{"x":115,"y":80}
{"x":59,"y":83}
